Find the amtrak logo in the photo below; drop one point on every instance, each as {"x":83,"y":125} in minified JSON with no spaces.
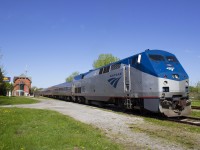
{"x":114,"y":81}
{"x":170,"y":68}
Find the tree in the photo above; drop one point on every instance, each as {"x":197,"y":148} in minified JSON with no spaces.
{"x":33,"y":89}
{"x":71,"y":77}
{"x":2,"y":84}
{"x":104,"y":59}
{"x":198,"y":87}
{"x":9,"y":87}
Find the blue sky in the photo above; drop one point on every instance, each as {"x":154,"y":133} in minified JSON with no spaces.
{"x":57,"y":37}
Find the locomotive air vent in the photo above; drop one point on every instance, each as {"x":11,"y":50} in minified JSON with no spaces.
{"x":165,"y":89}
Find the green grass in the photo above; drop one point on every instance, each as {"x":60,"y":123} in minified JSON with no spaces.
{"x":4,"y":100}
{"x":185,"y":135}
{"x":195,"y":114}
{"x":195,"y":102}
{"x":30,"y":129}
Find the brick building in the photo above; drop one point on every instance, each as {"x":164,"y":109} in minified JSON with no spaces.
{"x":22,"y":85}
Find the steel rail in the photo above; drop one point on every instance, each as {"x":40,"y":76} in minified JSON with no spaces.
{"x":196,"y":107}
{"x":186,"y":120}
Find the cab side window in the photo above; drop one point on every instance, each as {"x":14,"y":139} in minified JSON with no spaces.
{"x":134,"y":60}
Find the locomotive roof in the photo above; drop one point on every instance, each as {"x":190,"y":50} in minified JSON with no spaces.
{"x":65,"y":84}
{"x":124,"y":61}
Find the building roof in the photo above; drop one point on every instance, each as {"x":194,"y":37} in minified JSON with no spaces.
{"x":22,"y":76}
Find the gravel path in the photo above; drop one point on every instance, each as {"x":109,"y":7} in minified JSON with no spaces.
{"x":114,"y":125}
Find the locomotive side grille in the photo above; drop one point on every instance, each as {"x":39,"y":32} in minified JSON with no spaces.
{"x":165,"y":89}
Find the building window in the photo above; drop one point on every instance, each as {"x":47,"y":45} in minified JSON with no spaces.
{"x":21,"y":87}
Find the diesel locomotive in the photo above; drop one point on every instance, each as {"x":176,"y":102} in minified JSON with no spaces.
{"x":153,"y":80}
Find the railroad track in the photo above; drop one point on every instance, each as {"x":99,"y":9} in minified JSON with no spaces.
{"x":186,"y":120}
{"x":196,"y":107}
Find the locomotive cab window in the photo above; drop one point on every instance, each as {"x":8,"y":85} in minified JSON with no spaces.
{"x":134,"y":60}
{"x":156,"y":57}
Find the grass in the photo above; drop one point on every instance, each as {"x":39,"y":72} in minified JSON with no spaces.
{"x":185,"y":135}
{"x":195,"y":114}
{"x":27,"y":129}
{"x":5,"y":100}
{"x":195,"y":102}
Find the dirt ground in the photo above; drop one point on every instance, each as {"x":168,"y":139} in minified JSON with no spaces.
{"x":116,"y":126}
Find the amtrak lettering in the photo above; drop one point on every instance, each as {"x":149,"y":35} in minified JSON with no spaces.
{"x":116,"y":74}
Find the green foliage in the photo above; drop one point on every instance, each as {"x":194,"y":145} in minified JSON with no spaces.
{"x":104,"y":59}
{"x":71,"y":77}
{"x":196,"y":88}
{"x":32,"y":129}
{"x":9,"y":86}
{"x":196,"y":102}
{"x":4,"y":100}
{"x":195,"y":91}
{"x":2,"y":84}
{"x":33,"y":89}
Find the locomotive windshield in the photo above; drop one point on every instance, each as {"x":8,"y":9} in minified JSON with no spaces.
{"x":171,"y":59}
{"x":156,"y":57}
{"x":162,"y":58}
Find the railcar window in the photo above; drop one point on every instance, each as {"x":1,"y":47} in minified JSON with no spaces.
{"x":115,"y":66}
{"x":156,"y":57}
{"x":171,"y":59}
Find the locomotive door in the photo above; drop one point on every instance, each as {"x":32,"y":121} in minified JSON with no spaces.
{"x":127,"y":79}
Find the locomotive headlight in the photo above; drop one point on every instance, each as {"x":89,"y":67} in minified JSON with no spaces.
{"x":163,"y":95}
{"x":165,"y":82}
{"x":186,"y":89}
{"x":175,"y":76}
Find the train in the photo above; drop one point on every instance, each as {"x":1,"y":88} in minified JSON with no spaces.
{"x":150,"y":81}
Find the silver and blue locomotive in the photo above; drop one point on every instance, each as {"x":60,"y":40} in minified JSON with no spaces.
{"x":153,"y":80}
